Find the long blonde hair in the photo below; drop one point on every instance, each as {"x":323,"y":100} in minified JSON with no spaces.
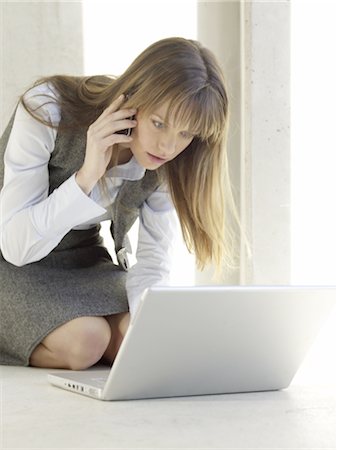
{"x":187,"y":76}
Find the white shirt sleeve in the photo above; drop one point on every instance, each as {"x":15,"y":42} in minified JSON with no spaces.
{"x":32,"y":223}
{"x":158,"y":230}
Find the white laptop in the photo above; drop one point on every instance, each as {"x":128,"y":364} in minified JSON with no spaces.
{"x":209,"y":340}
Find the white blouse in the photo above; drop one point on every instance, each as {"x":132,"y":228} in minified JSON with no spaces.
{"x":32,"y":223}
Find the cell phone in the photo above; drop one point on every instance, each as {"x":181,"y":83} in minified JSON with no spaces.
{"x":127,"y":131}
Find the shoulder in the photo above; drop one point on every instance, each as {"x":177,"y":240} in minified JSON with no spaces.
{"x":160,"y":199}
{"x":43,"y":100}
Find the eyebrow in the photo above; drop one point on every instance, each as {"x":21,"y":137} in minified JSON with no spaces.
{"x":158,"y":115}
{"x":155,"y":114}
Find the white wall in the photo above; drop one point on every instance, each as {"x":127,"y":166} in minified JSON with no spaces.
{"x":314,"y":141}
{"x":37,"y":39}
{"x":116,"y":31}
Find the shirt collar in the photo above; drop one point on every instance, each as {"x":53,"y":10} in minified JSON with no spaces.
{"x":128,"y":171}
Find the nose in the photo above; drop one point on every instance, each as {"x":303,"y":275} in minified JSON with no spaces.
{"x":167,"y":147}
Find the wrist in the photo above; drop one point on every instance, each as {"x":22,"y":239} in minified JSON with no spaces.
{"x":85,"y":182}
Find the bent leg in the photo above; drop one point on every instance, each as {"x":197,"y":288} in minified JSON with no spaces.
{"x":76,"y":345}
{"x":119,"y":324}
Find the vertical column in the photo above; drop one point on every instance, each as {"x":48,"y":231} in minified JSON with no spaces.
{"x":266,"y":144}
{"x":37,"y":39}
{"x":252,"y":42}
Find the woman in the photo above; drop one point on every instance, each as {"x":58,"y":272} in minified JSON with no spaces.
{"x":80,"y":150}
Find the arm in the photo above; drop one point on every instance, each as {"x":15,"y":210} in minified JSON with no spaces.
{"x":158,"y":229}
{"x":31,"y":222}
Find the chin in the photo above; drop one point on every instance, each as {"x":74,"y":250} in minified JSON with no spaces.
{"x":151,"y":166}
{"x":145,"y":162}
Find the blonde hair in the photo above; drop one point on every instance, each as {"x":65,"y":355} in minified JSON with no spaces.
{"x":187,"y":76}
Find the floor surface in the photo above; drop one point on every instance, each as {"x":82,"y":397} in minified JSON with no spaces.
{"x":36,"y":415}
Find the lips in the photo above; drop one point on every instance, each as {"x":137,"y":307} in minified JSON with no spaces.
{"x":155,"y":158}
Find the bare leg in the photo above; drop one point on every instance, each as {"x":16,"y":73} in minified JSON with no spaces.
{"x":119,"y":324}
{"x":76,"y":345}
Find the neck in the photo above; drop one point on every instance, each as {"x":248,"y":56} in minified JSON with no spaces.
{"x":121,"y":155}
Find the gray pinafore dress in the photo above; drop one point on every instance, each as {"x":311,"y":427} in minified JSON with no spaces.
{"x":78,"y":278}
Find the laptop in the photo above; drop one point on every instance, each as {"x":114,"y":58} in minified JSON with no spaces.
{"x":200,"y":340}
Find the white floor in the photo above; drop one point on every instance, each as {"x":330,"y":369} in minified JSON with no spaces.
{"x":36,"y":415}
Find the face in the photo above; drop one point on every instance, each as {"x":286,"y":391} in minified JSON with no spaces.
{"x":155,"y":141}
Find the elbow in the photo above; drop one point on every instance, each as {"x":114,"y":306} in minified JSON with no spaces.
{"x":13,"y":259}
{"x":12,"y":255}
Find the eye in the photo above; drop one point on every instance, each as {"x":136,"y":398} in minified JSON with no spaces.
{"x":158,"y":124}
{"x":187,"y":135}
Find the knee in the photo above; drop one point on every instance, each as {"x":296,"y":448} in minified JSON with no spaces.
{"x":91,"y":338}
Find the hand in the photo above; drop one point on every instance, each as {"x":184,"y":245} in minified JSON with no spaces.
{"x":101,"y":136}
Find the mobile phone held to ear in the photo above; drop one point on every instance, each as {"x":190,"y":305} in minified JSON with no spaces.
{"x":126,"y":131}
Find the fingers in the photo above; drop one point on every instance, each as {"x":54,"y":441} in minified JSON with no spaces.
{"x":105,"y":130}
{"x":115,"y":107}
{"x":120,"y":125}
{"x":114,"y":119}
{"x":122,"y":114}
{"x":109,"y":126}
{"x":107,"y":136}
{"x":113,"y":139}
